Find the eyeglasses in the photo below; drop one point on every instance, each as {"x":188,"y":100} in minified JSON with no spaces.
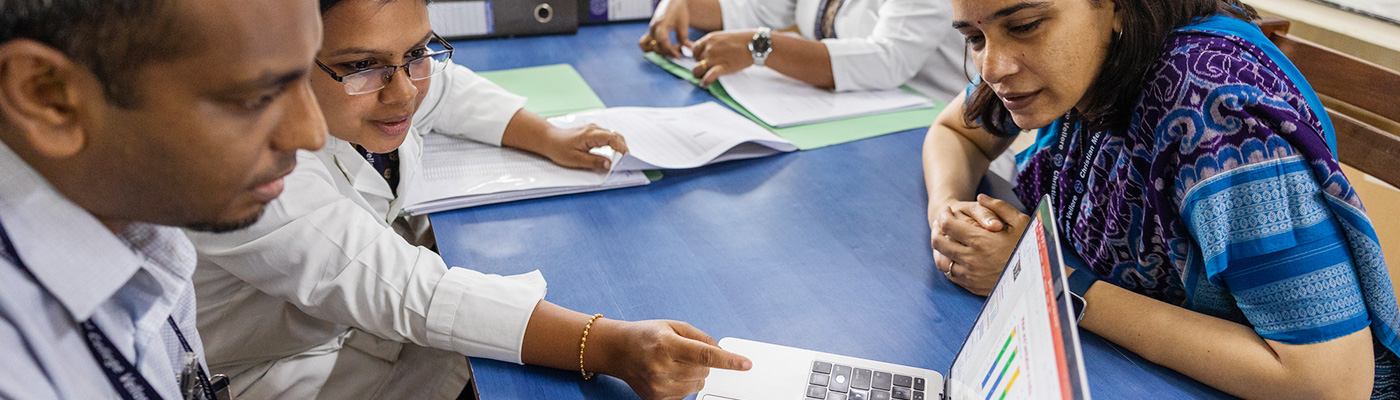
{"x":373,"y":79}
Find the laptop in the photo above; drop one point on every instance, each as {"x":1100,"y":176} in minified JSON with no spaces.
{"x":1024,"y":345}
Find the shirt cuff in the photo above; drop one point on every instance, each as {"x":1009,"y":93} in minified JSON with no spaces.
{"x":483,"y":315}
{"x":850,"y":58}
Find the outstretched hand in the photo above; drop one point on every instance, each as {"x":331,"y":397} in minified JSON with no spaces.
{"x":570,"y":147}
{"x":665,"y":360}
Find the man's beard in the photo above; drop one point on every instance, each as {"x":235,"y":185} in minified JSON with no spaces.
{"x":224,"y":226}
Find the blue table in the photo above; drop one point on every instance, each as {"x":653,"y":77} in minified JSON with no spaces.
{"x":825,"y":249}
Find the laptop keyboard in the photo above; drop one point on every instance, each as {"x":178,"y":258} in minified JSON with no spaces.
{"x":830,"y":381}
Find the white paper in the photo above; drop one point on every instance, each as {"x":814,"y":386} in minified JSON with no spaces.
{"x":619,"y":179}
{"x":781,"y":101}
{"x":455,"y":168}
{"x":459,"y":173}
{"x":677,"y":138}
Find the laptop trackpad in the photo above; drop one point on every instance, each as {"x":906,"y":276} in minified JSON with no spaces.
{"x":778,"y":372}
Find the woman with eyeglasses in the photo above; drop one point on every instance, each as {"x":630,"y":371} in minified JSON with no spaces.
{"x":1205,"y":218}
{"x":333,"y":295}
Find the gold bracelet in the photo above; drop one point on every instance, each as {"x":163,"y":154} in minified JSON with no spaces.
{"x":583,"y":343}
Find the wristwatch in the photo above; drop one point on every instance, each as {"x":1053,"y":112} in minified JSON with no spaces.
{"x":761,"y":45}
{"x":1079,"y":283}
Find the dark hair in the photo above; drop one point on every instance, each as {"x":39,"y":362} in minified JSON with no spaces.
{"x":112,"y":38}
{"x":1146,"y":26}
{"x":328,"y":4}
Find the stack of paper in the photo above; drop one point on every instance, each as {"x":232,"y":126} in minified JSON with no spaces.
{"x":781,"y":101}
{"x":459,"y":173}
{"x":819,"y":134}
{"x":678,"y":138}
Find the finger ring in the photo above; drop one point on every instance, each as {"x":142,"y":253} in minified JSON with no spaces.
{"x":704,"y":64}
{"x":948,"y":273}
{"x":653,"y":42}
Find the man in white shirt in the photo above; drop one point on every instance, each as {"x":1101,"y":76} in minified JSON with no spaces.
{"x":842,"y":45}
{"x":119,"y":119}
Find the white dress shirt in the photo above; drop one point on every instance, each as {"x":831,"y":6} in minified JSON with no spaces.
{"x":879,"y":44}
{"x":332,"y":294}
{"x":128,"y":284}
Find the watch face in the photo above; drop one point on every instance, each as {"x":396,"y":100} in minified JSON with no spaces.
{"x":761,"y":45}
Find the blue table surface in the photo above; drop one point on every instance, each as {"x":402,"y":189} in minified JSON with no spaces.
{"x":825,"y":249}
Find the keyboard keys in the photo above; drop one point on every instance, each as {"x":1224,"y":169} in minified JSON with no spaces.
{"x":830,"y":381}
{"x":882,"y":380}
{"x":903,"y":381}
{"x":860,"y":379}
{"x":840,"y":379}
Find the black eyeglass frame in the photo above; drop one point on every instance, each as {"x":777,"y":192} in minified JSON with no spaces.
{"x":393,"y":68}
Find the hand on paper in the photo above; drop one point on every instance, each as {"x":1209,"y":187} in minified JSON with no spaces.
{"x":720,"y":53}
{"x":570,"y":147}
{"x":674,"y":18}
{"x":973,"y":240}
{"x":663,"y":359}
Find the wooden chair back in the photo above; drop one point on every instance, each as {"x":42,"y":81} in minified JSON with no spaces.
{"x":1353,"y":81}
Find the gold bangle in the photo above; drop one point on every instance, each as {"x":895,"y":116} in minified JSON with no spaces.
{"x":583,"y":343}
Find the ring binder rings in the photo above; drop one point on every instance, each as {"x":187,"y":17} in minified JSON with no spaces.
{"x":471,"y":19}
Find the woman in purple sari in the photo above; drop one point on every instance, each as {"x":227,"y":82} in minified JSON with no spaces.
{"x":1208,"y":224}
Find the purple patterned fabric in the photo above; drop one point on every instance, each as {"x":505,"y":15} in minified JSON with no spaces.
{"x":1131,"y":231}
{"x":1223,"y":196}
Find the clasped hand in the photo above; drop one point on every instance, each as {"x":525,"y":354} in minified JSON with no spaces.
{"x":972,"y":241}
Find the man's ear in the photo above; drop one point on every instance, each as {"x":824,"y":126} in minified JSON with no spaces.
{"x":42,"y":96}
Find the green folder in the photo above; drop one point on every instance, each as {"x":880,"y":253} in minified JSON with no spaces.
{"x":552,"y":90}
{"x":821,"y":134}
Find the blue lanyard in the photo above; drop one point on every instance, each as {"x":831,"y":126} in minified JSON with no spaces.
{"x":1070,"y":209}
{"x":121,"y":374}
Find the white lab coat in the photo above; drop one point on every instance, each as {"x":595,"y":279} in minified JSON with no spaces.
{"x":332,"y":295}
{"x":879,"y":44}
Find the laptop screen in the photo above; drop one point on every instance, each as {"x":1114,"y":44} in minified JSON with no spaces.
{"x":1025,"y":343}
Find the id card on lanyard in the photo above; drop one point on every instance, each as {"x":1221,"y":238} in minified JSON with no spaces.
{"x":125,"y":379}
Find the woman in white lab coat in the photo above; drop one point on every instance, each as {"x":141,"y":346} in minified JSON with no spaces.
{"x":842,"y":45}
{"x":333,"y":295}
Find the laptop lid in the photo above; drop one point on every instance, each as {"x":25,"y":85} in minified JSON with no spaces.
{"x":1025,"y":343}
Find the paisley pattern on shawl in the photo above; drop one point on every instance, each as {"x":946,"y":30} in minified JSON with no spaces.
{"x":1223,"y":195}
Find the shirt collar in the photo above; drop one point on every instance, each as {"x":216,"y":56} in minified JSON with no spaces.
{"x":357,"y":170}
{"x":73,"y":255}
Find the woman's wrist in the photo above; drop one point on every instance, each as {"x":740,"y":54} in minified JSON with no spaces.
{"x":601,"y":352}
